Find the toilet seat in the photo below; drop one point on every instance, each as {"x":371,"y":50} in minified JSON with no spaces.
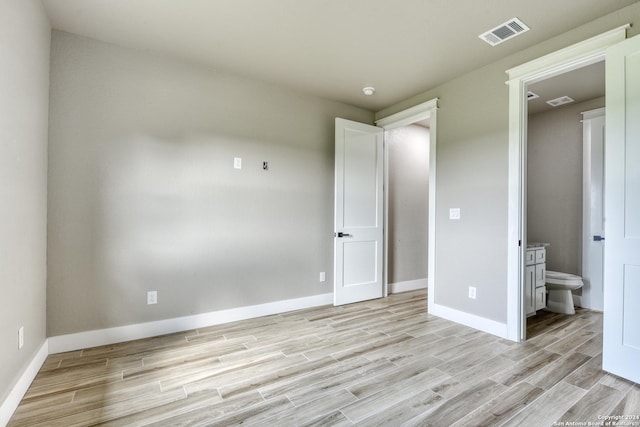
{"x":558,"y":278}
{"x":571,"y":281}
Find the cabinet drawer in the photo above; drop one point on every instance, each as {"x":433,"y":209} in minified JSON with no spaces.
{"x":541,"y":298}
{"x":530,"y":290}
{"x":541,"y":274}
{"x":541,"y":256}
{"x":530,"y":257}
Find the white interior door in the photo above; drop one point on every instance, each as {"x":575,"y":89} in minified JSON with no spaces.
{"x":621,"y":346}
{"x":593,"y":209}
{"x":358,"y":240}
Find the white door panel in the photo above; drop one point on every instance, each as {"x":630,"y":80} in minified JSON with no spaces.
{"x":621,"y":341}
{"x":593,"y":209}
{"x":630,"y":311}
{"x":358,"y":212}
{"x":362,"y":266}
{"x":360,"y":180}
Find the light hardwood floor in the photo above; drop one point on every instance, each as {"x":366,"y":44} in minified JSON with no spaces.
{"x":385,"y":362}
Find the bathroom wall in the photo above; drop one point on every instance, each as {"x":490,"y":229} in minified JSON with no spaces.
{"x":554,"y":184}
{"x":408,"y":193}
{"x":25,"y":36}
{"x":143,"y":194}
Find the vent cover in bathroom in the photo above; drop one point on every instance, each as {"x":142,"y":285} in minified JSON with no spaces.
{"x":560,"y":101}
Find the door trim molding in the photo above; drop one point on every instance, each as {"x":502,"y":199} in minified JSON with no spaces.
{"x":409,"y":116}
{"x":592,"y":114}
{"x":570,"y":58}
{"x":425,"y":110}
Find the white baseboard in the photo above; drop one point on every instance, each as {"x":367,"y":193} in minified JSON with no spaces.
{"x":471,"y":320}
{"x":77,"y":341}
{"x":16,"y":394}
{"x":408,"y":285}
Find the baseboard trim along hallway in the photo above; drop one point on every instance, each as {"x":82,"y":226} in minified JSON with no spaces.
{"x":408,"y":285}
{"x":481,"y":323}
{"x":16,"y":394}
{"x":80,"y":340}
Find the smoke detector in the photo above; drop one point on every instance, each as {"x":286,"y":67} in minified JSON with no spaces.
{"x":369,"y":90}
{"x":503,"y":32}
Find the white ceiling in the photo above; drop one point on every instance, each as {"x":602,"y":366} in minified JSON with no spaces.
{"x":328,"y":48}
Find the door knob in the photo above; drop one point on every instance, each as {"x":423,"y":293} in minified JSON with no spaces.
{"x":341,"y":234}
{"x":598,"y":238}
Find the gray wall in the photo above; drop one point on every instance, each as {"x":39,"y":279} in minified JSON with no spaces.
{"x":143,"y":194}
{"x":472,"y":166}
{"x":408,"y":193}
{"x":24,"y":85}
{"x":554,"y":184}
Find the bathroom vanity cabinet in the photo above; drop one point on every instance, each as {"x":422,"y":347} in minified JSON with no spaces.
{"x":534,"y":284}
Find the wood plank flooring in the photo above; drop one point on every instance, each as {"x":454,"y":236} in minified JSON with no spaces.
{"x":377,"y":363}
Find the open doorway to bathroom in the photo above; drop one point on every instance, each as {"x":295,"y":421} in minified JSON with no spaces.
{"x":563,"y":182}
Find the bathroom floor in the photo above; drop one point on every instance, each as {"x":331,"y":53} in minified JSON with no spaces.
{"x":384,"y":362}
{"x":543,"y":321}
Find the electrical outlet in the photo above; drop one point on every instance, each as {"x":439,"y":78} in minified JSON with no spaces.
{"x":152,"y":297}
{"x":454,"y":213}
{"x":20,"y":337}
{"x":323,"y":276}
{"x":472,"y":292}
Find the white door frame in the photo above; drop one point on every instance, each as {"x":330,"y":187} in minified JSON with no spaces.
{"x":573,"y":57}
{"x":426,"y":110}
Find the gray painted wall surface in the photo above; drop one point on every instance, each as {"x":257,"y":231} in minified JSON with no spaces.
{"x":472,"y":173}
{"x":143,"y":194}
{"x":24,"y":85}
{"x":554,"y":184}
{"x":408,"y":162}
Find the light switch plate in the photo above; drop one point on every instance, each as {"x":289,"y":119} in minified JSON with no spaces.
{"x":237,"y":163}
{"x":454,"y":213}
{"x":20,"y":337}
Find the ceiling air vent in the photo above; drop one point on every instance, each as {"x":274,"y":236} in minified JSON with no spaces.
{"x":503,"y":32}
{"x":560,"y":101}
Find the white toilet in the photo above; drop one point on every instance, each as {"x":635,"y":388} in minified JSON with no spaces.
{"x":559,"y":285}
